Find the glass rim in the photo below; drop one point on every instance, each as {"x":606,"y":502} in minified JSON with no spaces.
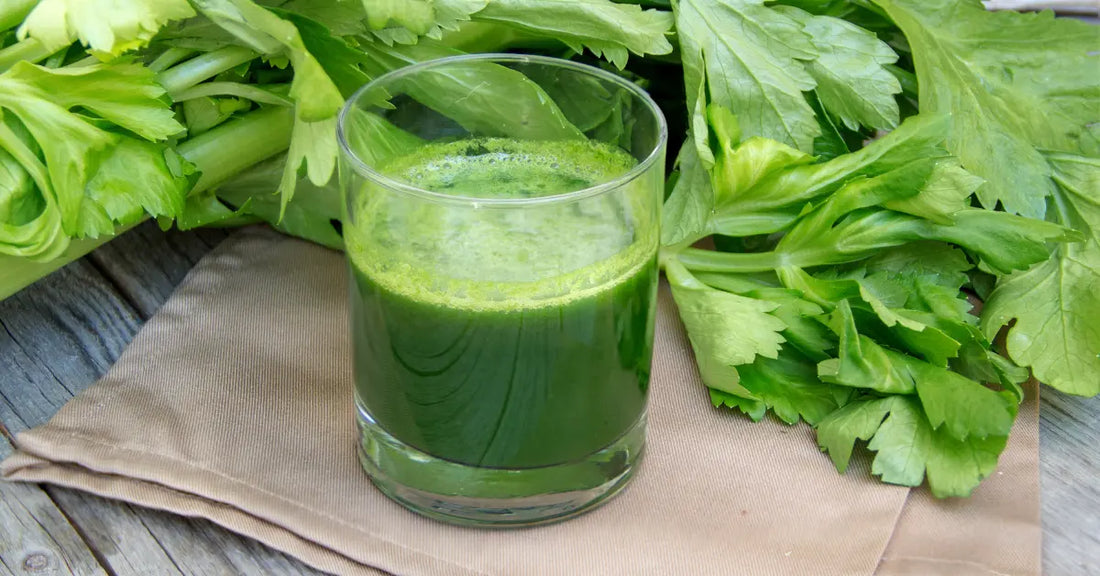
{"x":367,"y":171}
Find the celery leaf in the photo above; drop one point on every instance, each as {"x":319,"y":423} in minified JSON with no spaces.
{"x":751,"y":59}
{"x":726,"y":330}
{"x":852,"y":81}
{"x":608,"y":29}
{"x":1012,"y":83}
{"x":108,"y":26}
{"x":1056,"y":303}
{"x":415,"y":15}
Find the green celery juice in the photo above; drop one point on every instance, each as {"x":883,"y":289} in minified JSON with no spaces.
{"x":499,"y":337}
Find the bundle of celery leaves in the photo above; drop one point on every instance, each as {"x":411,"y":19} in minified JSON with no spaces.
{"x":847,"y":236}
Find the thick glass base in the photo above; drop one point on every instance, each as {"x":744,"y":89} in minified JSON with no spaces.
{"x":495,"y":497}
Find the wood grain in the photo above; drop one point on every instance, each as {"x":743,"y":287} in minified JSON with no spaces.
{"x":59,"y":336}
{"x":212,"y":547}
{"x":131,"y":539}
{"x":1069,"y":447}
{"x":146,"y":264}
{"x":38,"y":538}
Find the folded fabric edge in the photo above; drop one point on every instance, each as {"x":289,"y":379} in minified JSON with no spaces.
{"x":898,"y":558}
{"x":92,"y":466}
{"x":925,"y":566}
{"x":23,"y":467}
{"x":893,"y":529}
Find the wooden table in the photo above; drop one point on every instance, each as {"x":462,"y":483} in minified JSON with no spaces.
{"x":64,"y":332}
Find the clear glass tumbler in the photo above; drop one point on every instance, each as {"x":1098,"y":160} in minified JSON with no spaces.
{"x":502,"y":234}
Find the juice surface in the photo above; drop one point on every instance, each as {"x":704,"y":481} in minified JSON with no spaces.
{"x":505,"y":338}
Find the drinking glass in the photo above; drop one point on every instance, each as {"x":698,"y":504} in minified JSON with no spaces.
{"x":501,"y":230}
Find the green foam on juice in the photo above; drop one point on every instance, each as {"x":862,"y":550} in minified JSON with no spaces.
{"x":502,"y":257}
{"x":497,"y":168}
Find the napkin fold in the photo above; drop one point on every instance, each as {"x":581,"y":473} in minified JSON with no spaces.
{"x":234,"y":403}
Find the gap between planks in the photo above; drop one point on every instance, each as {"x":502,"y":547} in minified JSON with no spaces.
{"x":60,"y":336}
{"x":38,"y":537}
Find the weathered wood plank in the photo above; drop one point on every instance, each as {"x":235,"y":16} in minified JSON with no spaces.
{"x":131,"y":539}
{"x":217,"y":547}
{"x":28,"y":392}
{"x":72,"y":325}
{"x":116,"y":531}
{"x":37,"y":538}
{"x":146,"y":264}
{"x":1069,"y":446}
{"x":59,"y":336}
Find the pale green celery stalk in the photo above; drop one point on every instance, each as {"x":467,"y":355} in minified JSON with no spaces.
{"x":713,"y":261}
{"x":183,"y":76}
{"x":87,"y":61}
{"x":56,"y":59}
{"x":30,"y":50}
{"x":13,"y":12}
{"x":677,"y":273}
{"x":746,"y":224}
{"x":219,"y":154}
{"x":170,"y":57}
{"x":235,"y":89}
{"x":228,"y":149}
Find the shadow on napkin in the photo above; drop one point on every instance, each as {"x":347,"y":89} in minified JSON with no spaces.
{"x":234,"y":403}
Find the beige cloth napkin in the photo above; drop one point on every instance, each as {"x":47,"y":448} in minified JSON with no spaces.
{"x":234,"y":403}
